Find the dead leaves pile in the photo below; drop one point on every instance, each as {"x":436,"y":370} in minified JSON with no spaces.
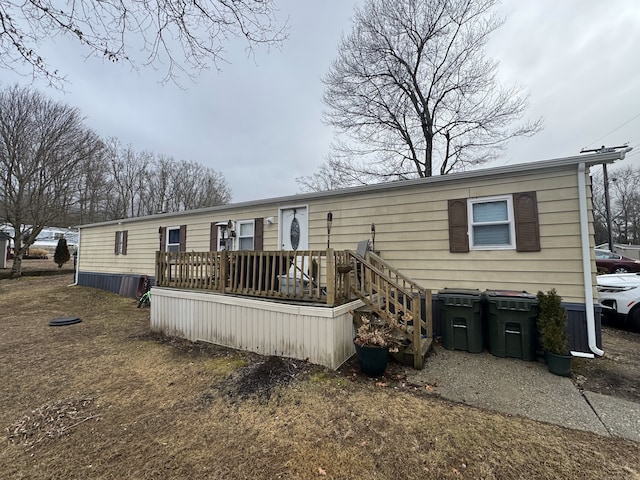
{"x":49,"y":421}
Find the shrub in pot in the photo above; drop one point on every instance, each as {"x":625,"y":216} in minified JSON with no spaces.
{"x":552,"y":330}
{"x":373,"y":341}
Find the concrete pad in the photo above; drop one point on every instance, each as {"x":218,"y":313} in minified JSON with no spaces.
{"x":622,"y":417}
{"x":507,"y":385}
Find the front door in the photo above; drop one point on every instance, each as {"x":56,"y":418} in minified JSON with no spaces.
{"x":294,"y":235}
{"x":294,"y":229}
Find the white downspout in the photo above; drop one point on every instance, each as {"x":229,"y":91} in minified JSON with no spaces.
{"x":77,"y":261}
{"x":586,"y":261}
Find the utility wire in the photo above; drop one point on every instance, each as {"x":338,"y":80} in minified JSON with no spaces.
{"x":616,"y":129}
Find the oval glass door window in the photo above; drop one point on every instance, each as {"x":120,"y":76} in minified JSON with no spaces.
{"x":295,"y":233}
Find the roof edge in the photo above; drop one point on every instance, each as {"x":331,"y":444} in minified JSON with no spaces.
{"x":556,"y":163}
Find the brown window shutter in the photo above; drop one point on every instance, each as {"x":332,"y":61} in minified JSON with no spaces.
{"x":162,"y":232}
{"x":258,"y":234}
{"x":115,"y":248}
{"x":213,"y":237}
{"x":458,"y":229}
{"x":125,"y":238}
{"x":183,"y":238}
{"x":525,"y":208}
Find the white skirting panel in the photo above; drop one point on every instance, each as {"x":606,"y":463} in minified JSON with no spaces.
{"x":322,"y":335}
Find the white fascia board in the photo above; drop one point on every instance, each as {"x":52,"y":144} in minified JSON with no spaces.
{"x":452,"y":178}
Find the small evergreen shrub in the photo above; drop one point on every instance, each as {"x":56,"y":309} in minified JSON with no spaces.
{"x":552,"y":323}
{"x":62,"y":255}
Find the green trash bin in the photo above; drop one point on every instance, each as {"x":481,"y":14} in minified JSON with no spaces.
{"x":511,"y":318}
{"x":461,"y":319}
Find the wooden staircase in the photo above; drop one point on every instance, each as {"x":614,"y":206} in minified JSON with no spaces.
{"x":389,"y":294}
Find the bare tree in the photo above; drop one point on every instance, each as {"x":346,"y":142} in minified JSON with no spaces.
{"x":42,"y":144}
{"x":412,"y":93}
{"x":93,"y":188}
{"x":181,"y":37}
{"x":599,"y":209}
{"x":624,"y":193}
{"x":142,"y":183}
{"x":128,"y":171}
{"x":205,"y":188}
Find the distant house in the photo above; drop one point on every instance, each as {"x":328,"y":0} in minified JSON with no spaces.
{"x":525,"y":227}
{"x":4,"y":249}
{"x":48,"y":238}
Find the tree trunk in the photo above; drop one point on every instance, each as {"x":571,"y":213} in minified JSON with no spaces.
{"x":16,"y":268}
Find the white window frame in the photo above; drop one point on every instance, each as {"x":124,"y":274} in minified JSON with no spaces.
{"x":239,"y":230}
{"x":167,"y":244}
{"x":120,"y":243}
{"x":510,"y":221}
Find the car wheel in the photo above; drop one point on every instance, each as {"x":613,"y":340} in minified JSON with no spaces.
{"x":633,"y":319}
{"x":621,"y":270}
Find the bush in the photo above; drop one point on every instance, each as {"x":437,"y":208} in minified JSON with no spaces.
{"x":62,"y":255}
{"x":36,"y":253}
{"x":552,"y":323}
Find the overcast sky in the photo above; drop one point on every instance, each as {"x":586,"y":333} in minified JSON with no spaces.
{"x":258,"y":121}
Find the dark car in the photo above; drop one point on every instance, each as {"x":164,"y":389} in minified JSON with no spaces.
{"x":609,"y":262}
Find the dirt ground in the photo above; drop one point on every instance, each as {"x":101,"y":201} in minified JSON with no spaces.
{"x":617,"y":373}
{"x":106,"y":398}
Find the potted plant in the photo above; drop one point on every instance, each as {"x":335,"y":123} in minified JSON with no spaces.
{"x":373,"y":341}
{"x":552,"y":329}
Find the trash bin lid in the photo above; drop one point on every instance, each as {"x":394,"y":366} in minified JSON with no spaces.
{"x":467,"y":292}
{"x":509,"y":294}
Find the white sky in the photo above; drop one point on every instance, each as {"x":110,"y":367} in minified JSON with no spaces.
{"x":258,"y":121}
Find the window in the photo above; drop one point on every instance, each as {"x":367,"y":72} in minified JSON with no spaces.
{"x":121,"y":243}
{"x":245,"y":235}
{"x":494,"y":223}
{"x":173,"y":239}
{"x":491,"y":223}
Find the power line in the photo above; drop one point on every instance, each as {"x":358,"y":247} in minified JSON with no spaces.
{"x":617,"y":128}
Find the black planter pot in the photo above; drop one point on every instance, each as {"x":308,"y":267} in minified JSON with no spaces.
{"x":372,"y":359}
{"x":558,"y":364}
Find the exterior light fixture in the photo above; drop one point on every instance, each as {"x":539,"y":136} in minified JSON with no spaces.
{"x":373,"y":237}
{"x":329,"y":222}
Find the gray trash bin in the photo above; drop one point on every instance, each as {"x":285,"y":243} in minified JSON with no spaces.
{"x":461,"y":319}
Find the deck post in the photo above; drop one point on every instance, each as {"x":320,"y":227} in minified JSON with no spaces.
{"x":417,"y":331}
{"x":158,"y":277}
{"x":331,"y":277}
{"x":224,"y":265}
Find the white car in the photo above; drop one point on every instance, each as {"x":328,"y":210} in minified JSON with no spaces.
{"x":619,"y":293}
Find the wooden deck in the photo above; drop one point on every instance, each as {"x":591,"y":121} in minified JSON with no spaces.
{"x":307,"y":276}
{"x":320,"y":277}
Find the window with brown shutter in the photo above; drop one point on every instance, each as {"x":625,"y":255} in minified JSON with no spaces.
{"x":525,"y":223}
{"x":125,"y":240}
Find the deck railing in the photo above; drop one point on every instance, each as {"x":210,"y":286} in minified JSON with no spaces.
{"x":309,"y":275}
{"x":389,"y":292}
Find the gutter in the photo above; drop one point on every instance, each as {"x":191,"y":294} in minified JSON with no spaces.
{"x":450,"y":178}
{"x":77,"y":261}
{"x":586,"y":259}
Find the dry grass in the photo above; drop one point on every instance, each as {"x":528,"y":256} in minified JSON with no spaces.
{"x":163,"y":408}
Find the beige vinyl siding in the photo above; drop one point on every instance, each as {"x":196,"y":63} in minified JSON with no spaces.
{"x":411,"y":233}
